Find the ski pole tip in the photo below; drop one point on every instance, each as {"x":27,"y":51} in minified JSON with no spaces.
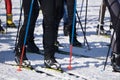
{"x":19,"y":69}
{"x":69,"y":67}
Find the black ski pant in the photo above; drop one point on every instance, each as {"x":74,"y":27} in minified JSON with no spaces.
{"x":49,"y":24}
{"x":60,"y":13}
{"x":35,"y":11}
{"x":59,"y":8}
{"x":51,"y":11}
{"x":114,"y":9}
{"x":70,"y":8}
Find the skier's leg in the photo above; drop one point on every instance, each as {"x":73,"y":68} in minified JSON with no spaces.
{"x":9,"y":17}
{"x":114,"y":9}
{"x":58,"y":17}
{"x":48,"y":9}
{"x":70,"y":8}
{"x":31,"y":46}
{"x":26,"y":6}
{"x":100,"y":29}
{"x":65,"y":19}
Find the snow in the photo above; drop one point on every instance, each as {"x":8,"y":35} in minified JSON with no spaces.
{"x":89,"y":68}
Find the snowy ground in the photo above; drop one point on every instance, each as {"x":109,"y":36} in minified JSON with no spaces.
{"x":89,"y":68}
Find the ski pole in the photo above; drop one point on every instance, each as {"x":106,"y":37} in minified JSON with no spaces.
{"x":100,"y":17}
{"x":71,"y":43}
{"x":85,"y":18}
{"x":83,"y":31}
{"x":109,"y":50}
{"x":19,"y":24}
{"x":25,"y":38}
{"x":111,"y":43}
{"x":81,"y":8}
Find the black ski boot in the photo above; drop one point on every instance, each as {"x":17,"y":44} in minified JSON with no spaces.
{"x":101,"y":31}
{"x":115,"y":62}
{"x":1,"y":28}
{"x":76,"y":43}
{"x":25,"y":61}
{"x":31,"y":47}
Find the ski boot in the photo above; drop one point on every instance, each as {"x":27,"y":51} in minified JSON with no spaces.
{"x":76,"y":43}
{"x":9,"y":21}
{"x":2,"y":30}
{"x":25,"y":61}
{"x":101,"y":31}
{"x":52,"y":64}
{"x":115,"y":62}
